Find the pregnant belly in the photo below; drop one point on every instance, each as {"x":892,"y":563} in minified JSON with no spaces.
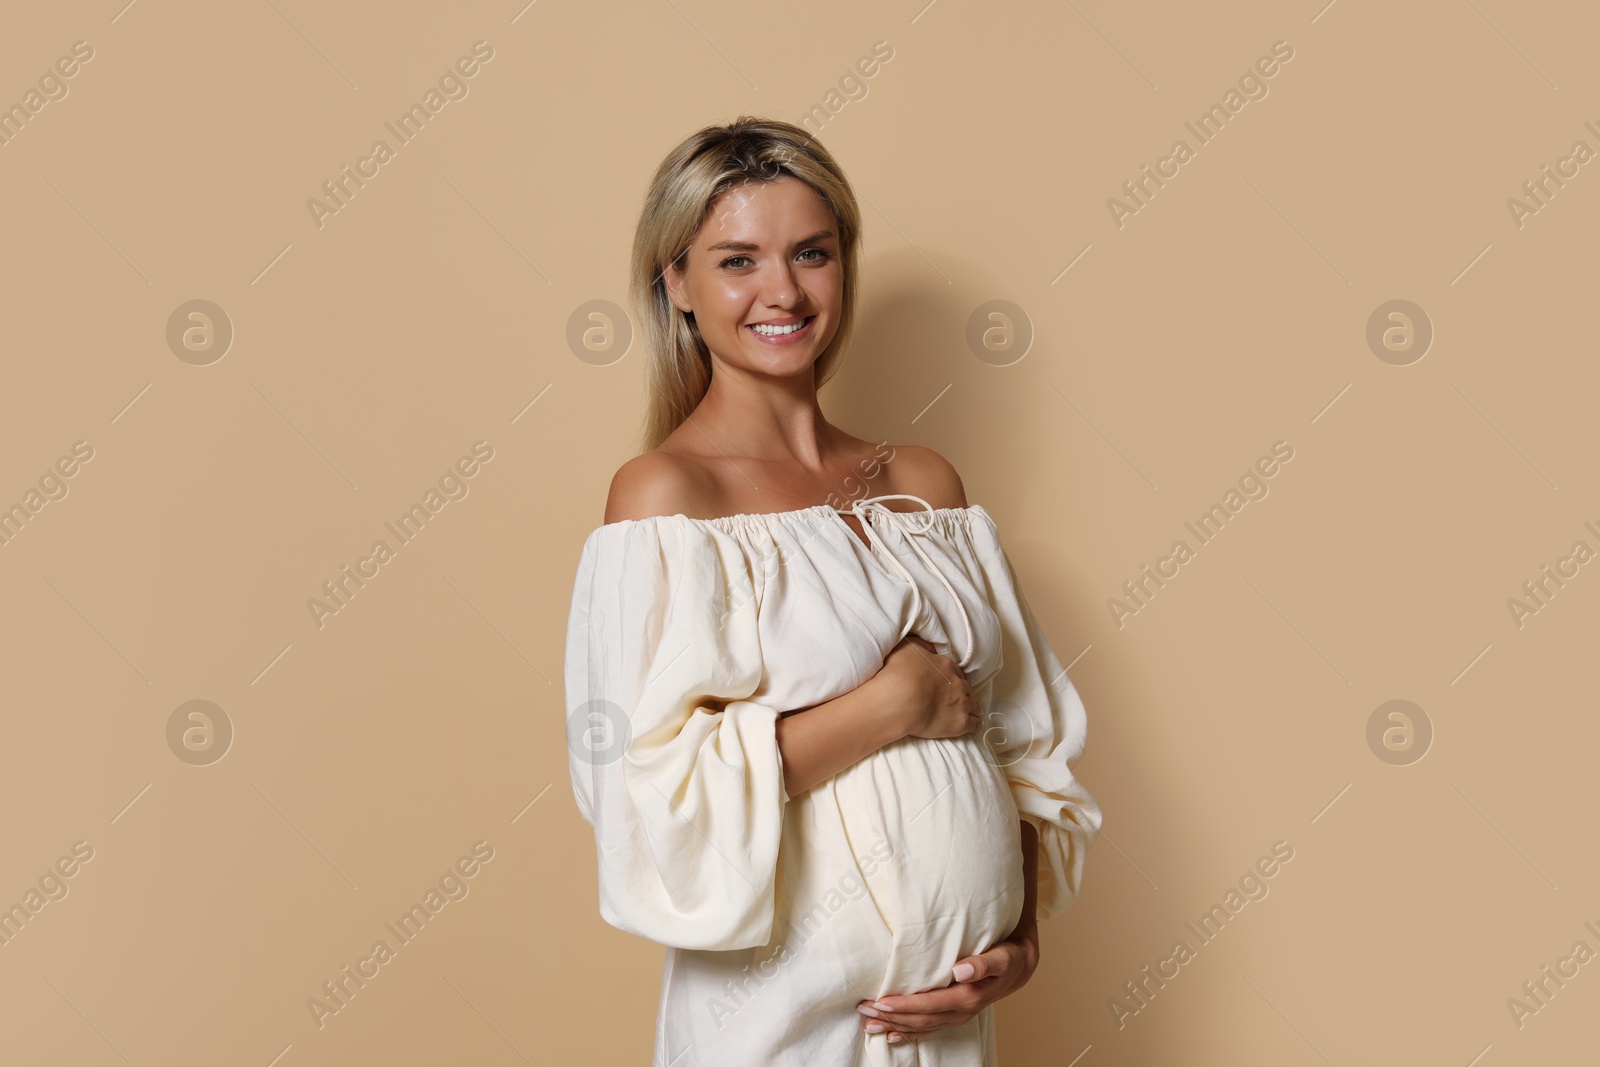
{"x":951,"y":885}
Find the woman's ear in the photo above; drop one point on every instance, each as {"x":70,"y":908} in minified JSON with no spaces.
{"x":674,"y":279}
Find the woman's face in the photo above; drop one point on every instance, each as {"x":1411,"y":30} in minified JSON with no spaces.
{"x":768,"y":252}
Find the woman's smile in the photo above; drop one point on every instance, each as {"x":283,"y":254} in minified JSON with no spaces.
{"x":785,"y":333}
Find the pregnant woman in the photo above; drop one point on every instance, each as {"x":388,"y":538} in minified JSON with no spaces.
{"x":825,"y":748}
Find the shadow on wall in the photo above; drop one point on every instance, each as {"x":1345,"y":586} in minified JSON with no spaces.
{"x":913,"y":374}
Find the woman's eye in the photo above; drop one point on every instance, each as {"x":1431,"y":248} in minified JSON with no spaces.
{"x":822,"y":256}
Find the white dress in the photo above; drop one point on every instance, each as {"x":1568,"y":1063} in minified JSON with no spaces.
{"x":686,"y":640}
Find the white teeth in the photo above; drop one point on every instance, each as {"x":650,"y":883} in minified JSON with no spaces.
{"x":779,"y":331}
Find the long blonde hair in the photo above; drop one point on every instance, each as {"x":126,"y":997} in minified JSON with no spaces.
{"x":686,"y":184}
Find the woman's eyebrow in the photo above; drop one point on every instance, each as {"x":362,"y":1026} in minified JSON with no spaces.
{"x":746,"y":246}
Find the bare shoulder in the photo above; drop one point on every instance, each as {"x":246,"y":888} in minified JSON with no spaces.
{"x":655,"y":483}
{"x":919,"y":470}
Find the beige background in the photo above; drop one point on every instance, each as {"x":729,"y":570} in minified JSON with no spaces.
{"x":431,"y":312}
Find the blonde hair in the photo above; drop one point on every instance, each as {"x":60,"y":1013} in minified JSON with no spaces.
{"x":687,"y":183}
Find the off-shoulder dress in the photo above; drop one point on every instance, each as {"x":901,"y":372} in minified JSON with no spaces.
{"x":686,"y":641}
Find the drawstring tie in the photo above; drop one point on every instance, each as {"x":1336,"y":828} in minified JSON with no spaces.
{"x":862,"y":509}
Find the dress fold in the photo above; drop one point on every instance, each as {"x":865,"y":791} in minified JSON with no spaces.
{"x":687,"y":639}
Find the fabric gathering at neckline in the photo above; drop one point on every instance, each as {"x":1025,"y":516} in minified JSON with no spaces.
{"x":922,"y":520}
{"x":773,"y":518}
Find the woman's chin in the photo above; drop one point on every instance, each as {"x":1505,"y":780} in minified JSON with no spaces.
{"x":778,"y":363}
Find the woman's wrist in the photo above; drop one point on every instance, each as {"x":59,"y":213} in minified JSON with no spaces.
{"x":1026,"y":937}
{"x":891,"y":722}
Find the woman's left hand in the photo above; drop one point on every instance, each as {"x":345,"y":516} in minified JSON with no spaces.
{"x":996,"y":973}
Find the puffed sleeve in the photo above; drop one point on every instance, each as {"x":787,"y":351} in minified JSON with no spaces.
{"x":679,"y":775}
{"x":1037,"y":729}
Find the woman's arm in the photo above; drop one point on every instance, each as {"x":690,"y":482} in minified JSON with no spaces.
{"x":822,"y":740}
{"x":1027,"y":932}
{"x":916,"y":693}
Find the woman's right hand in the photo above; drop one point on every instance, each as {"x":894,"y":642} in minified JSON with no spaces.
{"x":927,"y":691}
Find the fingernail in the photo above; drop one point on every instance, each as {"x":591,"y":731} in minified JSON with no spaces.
{"x":876,"y":1028}
{"x":895,"y":1037}
{"x":864,"y":1010}
{"x":881,"y":1006}
{"x":963,"y":971}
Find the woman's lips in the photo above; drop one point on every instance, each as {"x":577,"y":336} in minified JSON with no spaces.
{"x":794,"y":337}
